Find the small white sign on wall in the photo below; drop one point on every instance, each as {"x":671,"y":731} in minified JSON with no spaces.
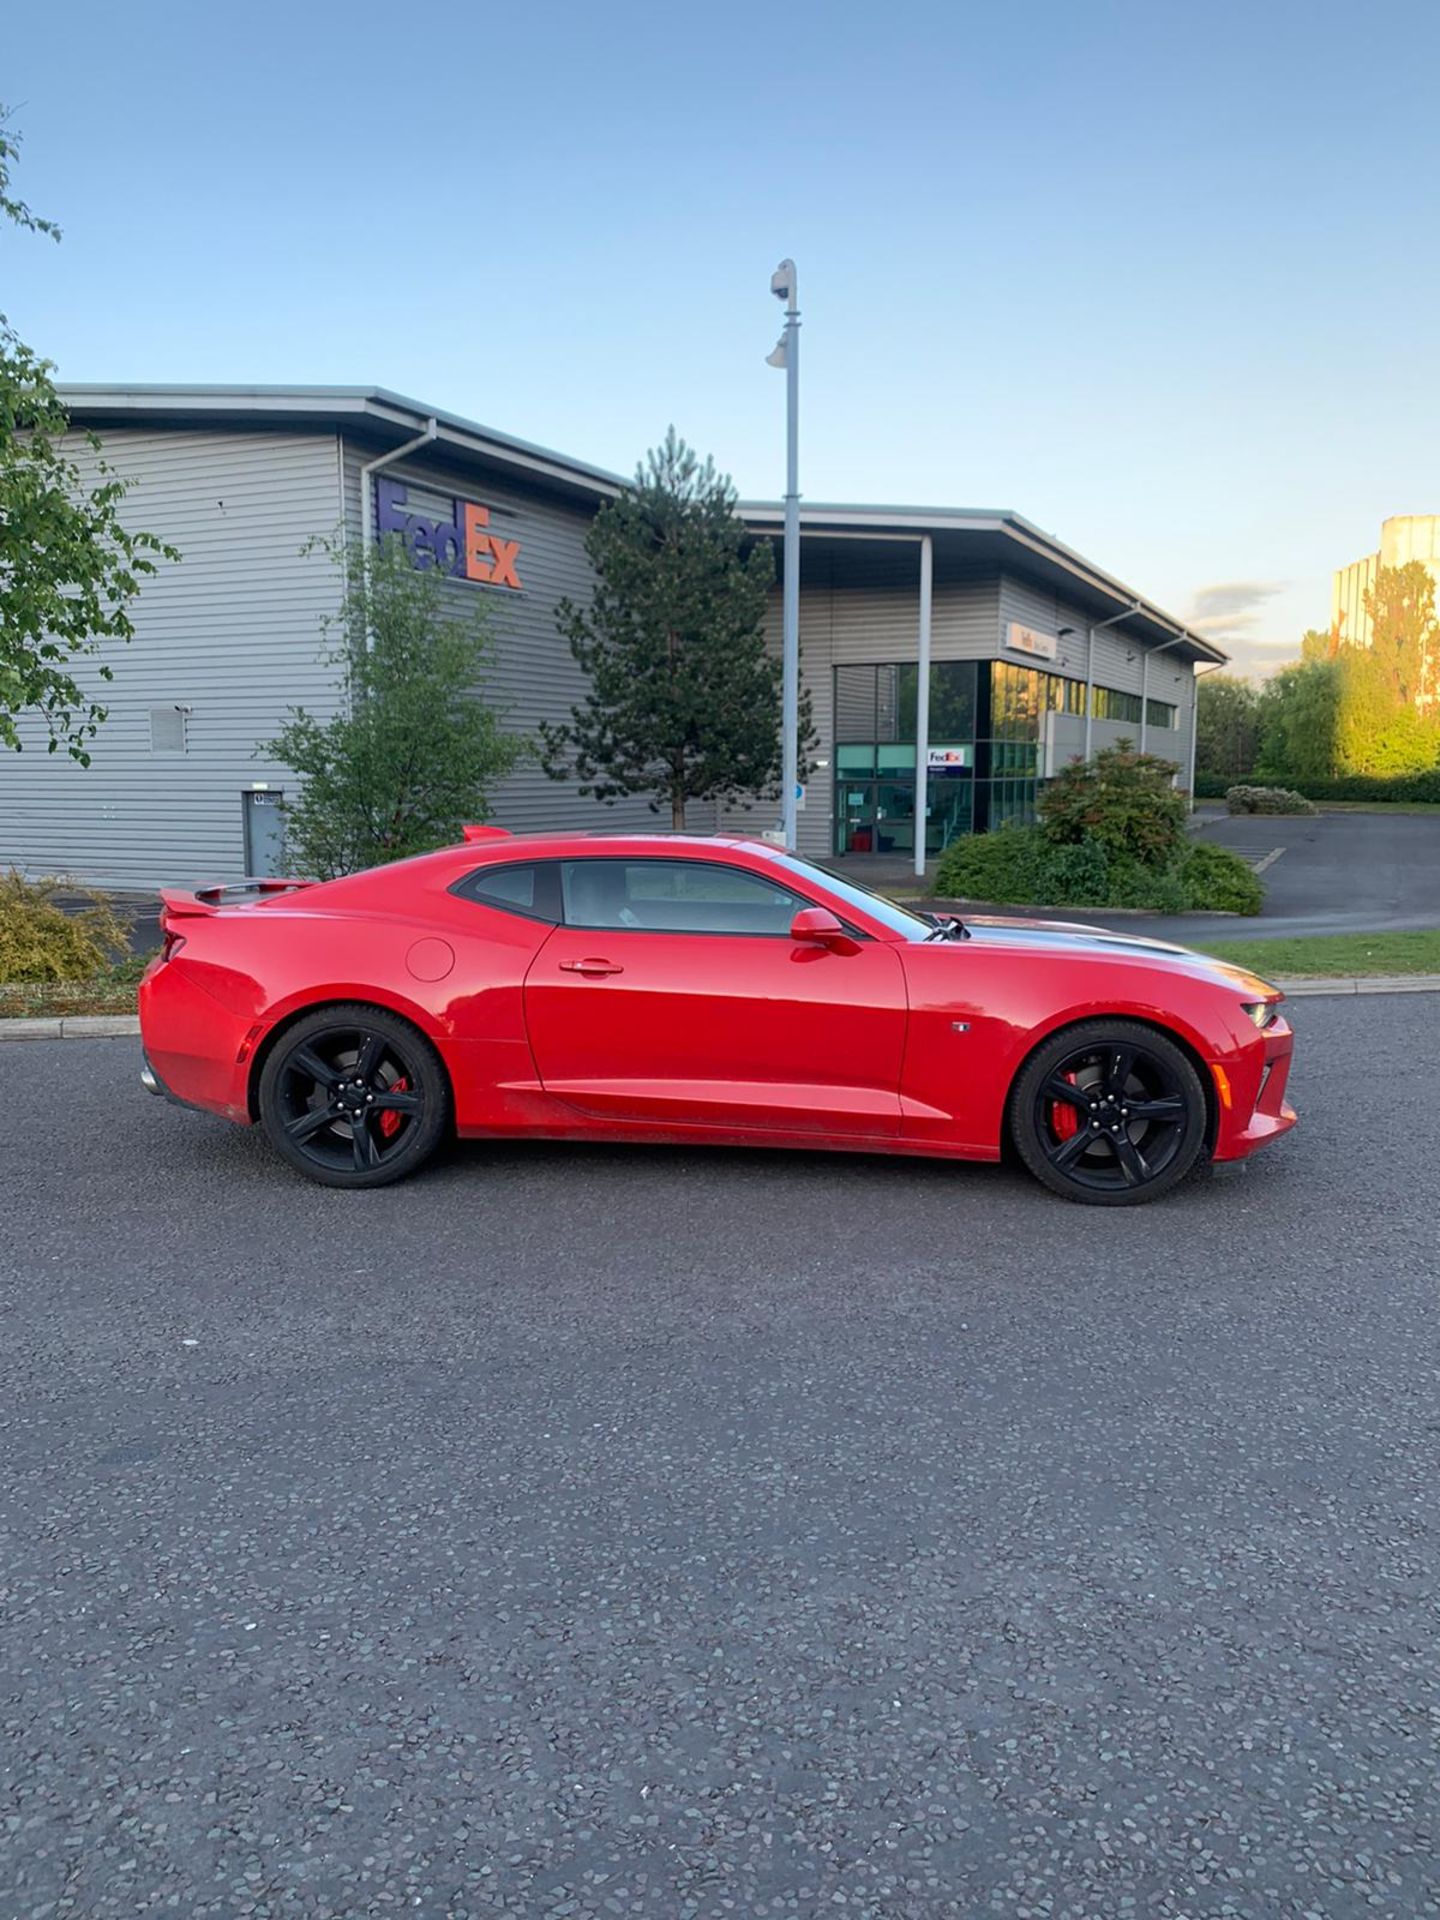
{"x":1040,"y":646}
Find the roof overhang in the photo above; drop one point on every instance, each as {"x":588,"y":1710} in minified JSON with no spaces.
{"x":371,"y":414}
{"x":975,"y":540}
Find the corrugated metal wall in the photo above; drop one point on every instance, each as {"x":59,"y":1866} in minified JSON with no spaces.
{"x":534,"y":677}
{"x":233,"y":633}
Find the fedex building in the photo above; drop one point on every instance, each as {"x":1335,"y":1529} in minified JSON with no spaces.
{"x":1029,"y":653}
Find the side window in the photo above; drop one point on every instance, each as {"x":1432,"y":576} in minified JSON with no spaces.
{"x":531,"y":890}
{"x":675,"y":896}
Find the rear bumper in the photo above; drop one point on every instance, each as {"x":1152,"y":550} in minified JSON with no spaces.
{"x":1256,"y":1111}
{"x":192,"y":1045}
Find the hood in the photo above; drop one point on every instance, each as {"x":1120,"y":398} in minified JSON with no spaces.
{"x":1073,"y":937}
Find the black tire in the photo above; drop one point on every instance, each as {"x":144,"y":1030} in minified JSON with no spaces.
{"x":354,"y":1097}
{"x":1110,"y":1113}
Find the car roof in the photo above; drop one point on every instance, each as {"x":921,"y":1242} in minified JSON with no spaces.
{"x":552,"y":845}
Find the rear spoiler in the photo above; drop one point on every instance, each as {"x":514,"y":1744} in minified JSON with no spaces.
{"x":178,"y":904}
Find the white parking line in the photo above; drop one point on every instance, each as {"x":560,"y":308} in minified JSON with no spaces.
{"x":1269,"y":860}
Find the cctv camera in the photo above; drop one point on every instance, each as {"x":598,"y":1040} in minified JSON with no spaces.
{"x":782,"y":281}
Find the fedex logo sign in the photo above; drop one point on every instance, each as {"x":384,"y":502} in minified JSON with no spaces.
{"x":462,"y":546}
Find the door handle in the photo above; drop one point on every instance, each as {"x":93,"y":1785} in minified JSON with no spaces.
{"x":592,"y":969}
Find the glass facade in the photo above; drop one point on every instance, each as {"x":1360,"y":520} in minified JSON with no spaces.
{"x":986,"y":736}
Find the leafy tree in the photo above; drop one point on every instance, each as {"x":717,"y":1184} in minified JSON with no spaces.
{"x":414,"y":751}
{"x":1405,"y":634}
{"x":1299,"y":721}
{"x":683,"y":701}
{"x":1124,"y":800}
{"x":1227,"y":725}
{"x":1377,"y":732}
{"x":69,"y":568}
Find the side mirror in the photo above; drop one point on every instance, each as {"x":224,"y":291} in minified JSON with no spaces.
{"x":818,"y":927}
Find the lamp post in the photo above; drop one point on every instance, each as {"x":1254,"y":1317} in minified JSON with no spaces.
{"x":787,"y":355}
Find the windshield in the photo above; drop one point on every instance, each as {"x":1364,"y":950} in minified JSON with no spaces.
{"x":898,"y":919}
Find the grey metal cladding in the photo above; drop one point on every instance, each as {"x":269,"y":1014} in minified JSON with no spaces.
{"x":533,"y":676}
{"x":233,"y":633}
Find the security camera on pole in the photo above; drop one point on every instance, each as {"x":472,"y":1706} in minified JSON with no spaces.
{"x":787,"y":355}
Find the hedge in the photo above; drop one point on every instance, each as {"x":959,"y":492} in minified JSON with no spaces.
{"x":1354,"y":786}
{"x":1019,"y":866}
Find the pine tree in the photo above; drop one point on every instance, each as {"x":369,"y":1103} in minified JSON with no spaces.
{"x":683,"y":701}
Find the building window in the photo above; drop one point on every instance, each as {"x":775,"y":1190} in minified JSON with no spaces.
{"x":1111,"y":704}
{"x":1159,"y":713}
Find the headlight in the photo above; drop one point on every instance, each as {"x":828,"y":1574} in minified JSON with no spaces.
{"x":1262,"y":1012}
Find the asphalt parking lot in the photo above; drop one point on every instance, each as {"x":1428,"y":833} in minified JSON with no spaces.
{"x":1323,"y":873}
{"x":591,"y":1532}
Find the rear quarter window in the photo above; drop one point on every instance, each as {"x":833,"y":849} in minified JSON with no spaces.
{"x":528,"y":888}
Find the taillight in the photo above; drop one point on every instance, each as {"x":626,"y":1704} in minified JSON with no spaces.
{"x":170,"y":945}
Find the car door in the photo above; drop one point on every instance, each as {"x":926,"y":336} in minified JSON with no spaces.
{"x":673,"y":994}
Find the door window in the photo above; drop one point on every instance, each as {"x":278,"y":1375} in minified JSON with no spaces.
{"x":675,"y":896}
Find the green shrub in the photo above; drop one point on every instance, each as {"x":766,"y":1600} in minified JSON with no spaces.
{"x":1018,"y":867}
{"x":1078,"y":875}
{"x":1006,"y":865}
{"x":1350,"y":786}
{"x":1121,"y":798}
{"x":1216,"y":879}
{"x":40,"y":941}
{"x":1266,"y":800}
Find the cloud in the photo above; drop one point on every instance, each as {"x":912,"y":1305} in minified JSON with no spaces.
{"x":1233,"y":609}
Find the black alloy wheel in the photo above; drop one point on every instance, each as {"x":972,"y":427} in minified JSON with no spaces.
{"x":354,"y":1097}
{"x":1111,"y":1113}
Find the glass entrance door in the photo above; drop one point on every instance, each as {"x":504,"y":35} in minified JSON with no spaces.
{"x":876,"y":816}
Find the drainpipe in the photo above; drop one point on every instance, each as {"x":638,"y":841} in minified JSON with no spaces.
{"x":922,"y":703}
{"x":1195,"y":721}
{"x":367,"y":509}
{"x":1091,"y":631}
{"x":1145,"y":685}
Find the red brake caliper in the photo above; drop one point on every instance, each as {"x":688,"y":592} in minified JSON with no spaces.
{"x":1063,"y":1117}
{"x":390,"y":1122}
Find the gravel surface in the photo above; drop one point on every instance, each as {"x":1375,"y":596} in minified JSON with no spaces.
{"x":592,"y":1532}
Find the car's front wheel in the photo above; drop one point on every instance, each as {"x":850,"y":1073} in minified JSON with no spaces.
{"x":1111,"y":1113}
{"x":354,"y":1097}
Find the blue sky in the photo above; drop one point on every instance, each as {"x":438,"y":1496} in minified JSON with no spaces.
{"x":1164,"y":279}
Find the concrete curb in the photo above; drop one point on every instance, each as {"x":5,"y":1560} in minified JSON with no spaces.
{"x":1364,"y":983}
{"x":74,"y":1026}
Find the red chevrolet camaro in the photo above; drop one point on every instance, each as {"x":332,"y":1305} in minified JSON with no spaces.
{"x":722,"y":991}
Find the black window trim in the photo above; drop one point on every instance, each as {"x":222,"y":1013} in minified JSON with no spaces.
{"x":466,"y":888}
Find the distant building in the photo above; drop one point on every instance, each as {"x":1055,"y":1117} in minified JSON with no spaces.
{"x":1403,"y":537}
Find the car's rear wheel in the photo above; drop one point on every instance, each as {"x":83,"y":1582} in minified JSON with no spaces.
{"x":1111,"y":1113}
{"x":354,"y":1097}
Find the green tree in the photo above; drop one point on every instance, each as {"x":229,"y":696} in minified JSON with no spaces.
{"x":1300,"y":720}
{"x":1125,"y":801}
{"x":69,"y":567}
{"x":683,"y":701}
{"x":412,"y":754}
{"x":1405,"y":634}
{"x":1227,"y":725}
{"x":1376,"y":731}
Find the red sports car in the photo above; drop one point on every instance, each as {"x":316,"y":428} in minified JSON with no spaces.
{"x":722,"y":991}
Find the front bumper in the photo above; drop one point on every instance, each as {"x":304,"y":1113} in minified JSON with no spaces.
{"x":1251,"y":1093}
